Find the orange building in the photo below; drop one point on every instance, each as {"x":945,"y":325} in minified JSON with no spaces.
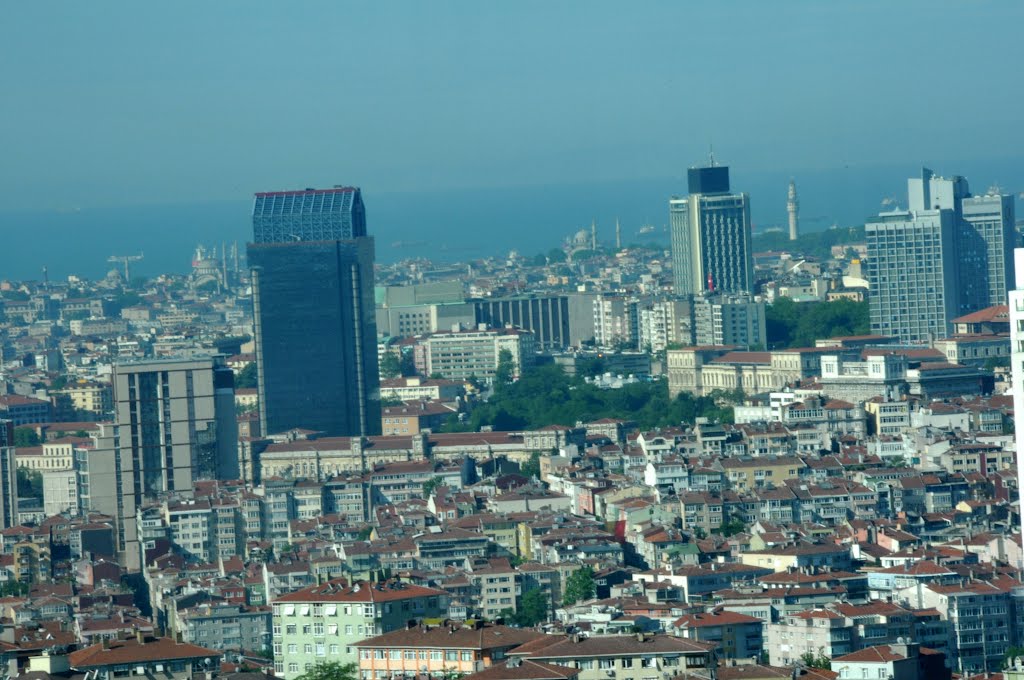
{"x":440,"y":650}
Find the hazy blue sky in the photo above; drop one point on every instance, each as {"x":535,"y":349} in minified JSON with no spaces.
{"x":108,"y":103}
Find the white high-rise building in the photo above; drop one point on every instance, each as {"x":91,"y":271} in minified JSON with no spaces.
{"x":1016,"y":304}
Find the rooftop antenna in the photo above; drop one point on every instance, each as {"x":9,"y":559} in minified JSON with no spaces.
{"x":711,"y":155}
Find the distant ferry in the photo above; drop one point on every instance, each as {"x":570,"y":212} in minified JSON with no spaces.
{"x":646,"y":229}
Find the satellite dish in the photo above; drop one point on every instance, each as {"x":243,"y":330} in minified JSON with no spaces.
{"x":901,"y":640}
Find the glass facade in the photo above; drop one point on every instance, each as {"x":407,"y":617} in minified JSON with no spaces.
{"x":308,"y":215}
{"x":710,"y":233}
{"x":316,"y":337}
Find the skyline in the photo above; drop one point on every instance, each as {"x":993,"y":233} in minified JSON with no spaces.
{"x":408,"y":98}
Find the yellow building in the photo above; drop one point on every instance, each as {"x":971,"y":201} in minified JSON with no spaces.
{"x":85,"y":395}
{"x":756,"y":473}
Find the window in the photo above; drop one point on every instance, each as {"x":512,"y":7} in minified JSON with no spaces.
{"x":318,"y":629}
{"x":290,"y":629}
{"x":277,"y":649}
{"x":289,"y":610}
{"x":307,"y":649}
{"x":293,"y":649}
{"x":396,"y":655}
{"x":277,"y":630}
{"x":332,"y":629}
{"x":335,"y":649}
{"x":467,"y":656}
{"x":330,"y":610}
{"x":318,"y":610}
{"x":410,"y":654}
{"x":435,"y":655}
{"x":348,"y":629}
{"x":304,"y":611}
{"x":627,"y":662}
{"x":321,"y":649}
{"x":293,"y":668}
{"x":451,"y":655}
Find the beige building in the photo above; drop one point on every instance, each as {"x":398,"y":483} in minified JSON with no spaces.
{"x":623,"y":657}
{"x":703,"y":369}
{"x":53,"y":455}
{"x":93,"y":397}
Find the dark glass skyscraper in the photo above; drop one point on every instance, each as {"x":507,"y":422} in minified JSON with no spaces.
{"x":316,"y":335}
{"x":711,"y":236}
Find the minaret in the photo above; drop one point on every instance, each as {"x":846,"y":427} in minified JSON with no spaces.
{"x":793,"y":208}
{"x":593,"y":234}
{"x":618,"y":235}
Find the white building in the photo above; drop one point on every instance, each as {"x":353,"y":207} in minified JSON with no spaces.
{"x":60,"y":491}
{"x":1016,"y":303}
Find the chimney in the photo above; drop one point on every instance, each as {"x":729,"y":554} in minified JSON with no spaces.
{"x":140,"y":637}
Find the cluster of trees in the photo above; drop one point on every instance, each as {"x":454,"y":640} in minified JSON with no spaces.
{"x":30,"y":484}
{"x":247,"y":377}
{"x":26,"y":436}
{"x":533,"y":609}
{"x":799,"y":324}
{"x":812,"y":243}
{"x":545,"y":395}
{"x":580,"y":586}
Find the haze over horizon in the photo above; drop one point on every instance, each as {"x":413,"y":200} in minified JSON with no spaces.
{"x":529,"y":117}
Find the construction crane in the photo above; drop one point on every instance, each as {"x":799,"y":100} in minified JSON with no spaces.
{"x":125,"y":259}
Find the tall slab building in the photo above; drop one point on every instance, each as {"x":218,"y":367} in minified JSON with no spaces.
{"x":948,"y":254}
{"x":313,"y":305}
{"x":175,"y":423}
{"x":710,"y":232}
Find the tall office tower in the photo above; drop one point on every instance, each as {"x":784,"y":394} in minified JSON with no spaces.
{"x":987,"y":238}
{"x":8,"y":477}
{"x":1016,"y":304}
{"x":313,"y":305}
{"x":949,"y":254}
{"x":175,"y":423}
{"x":793,"y":209}
{"x":711,"y":236}
{"x":914,"y":289}
{"x":177,"y":419}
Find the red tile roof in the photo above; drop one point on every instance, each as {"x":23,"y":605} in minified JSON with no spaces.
{"x":130,"y":651}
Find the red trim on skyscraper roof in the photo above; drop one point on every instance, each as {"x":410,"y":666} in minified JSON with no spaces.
{"x":299,"y":192}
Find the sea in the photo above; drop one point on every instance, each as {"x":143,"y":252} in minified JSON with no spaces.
{"x":458,"y":224}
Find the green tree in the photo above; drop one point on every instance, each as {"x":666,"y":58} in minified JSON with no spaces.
{"x":30,"y":484}
{"x":531,"y":468}
{"x":732,"y":527}
{"x":430,"y":485}
{"x":506,"y":369}
{"x":579,"y":586}
{"x":26,"y":436}
{"x":1011,"y":654}
{"x":533,"y":608}
{"x":247,"y":378}
{"x":390,"y":366}
{"x":799,"y":324}
{"x":331,"y":670}
{"x":819,"y":660}
{"x":556,"y":255}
